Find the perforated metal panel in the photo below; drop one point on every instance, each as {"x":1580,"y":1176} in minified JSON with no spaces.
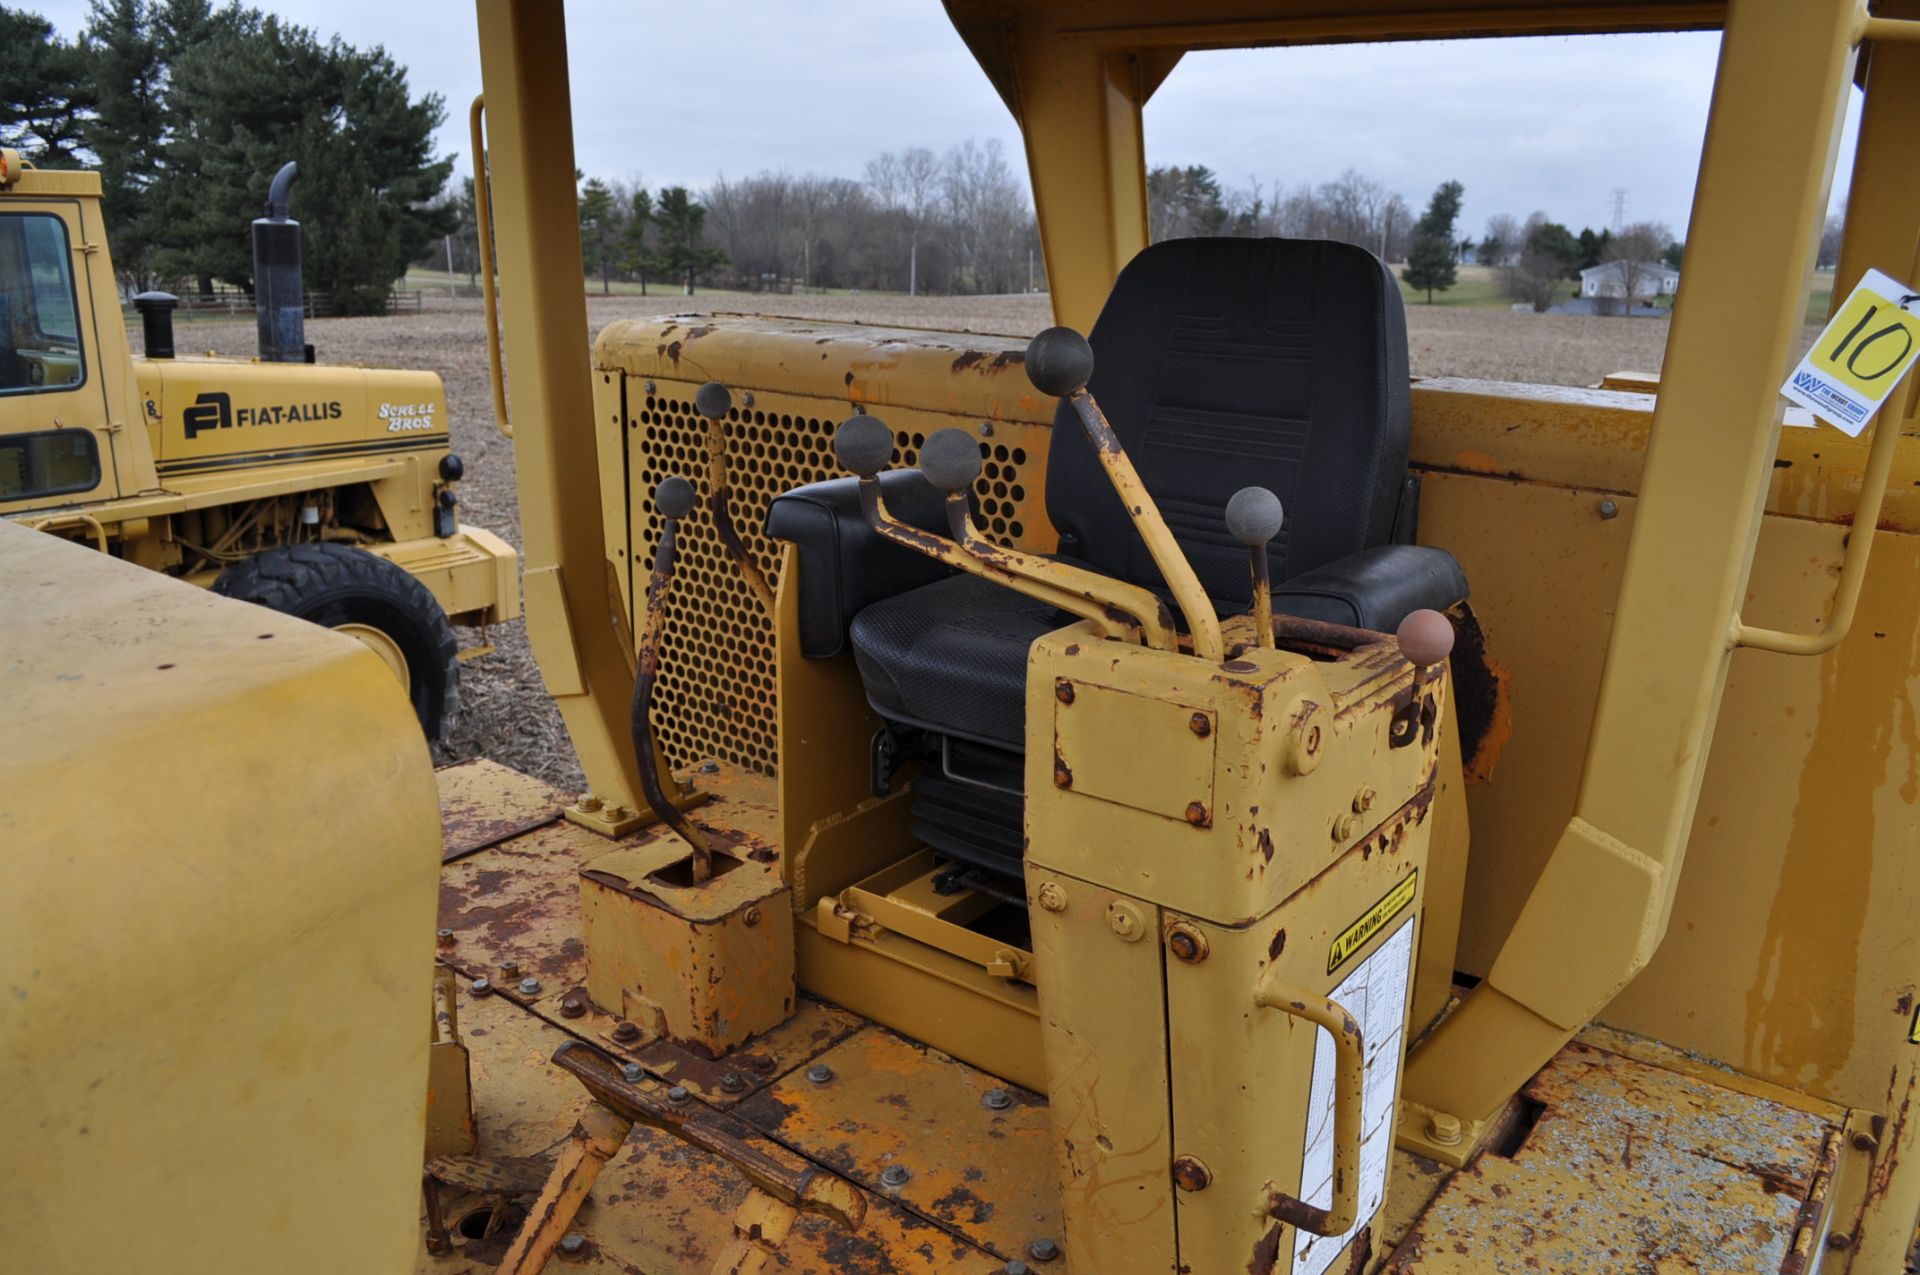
{"x":715,"y":694}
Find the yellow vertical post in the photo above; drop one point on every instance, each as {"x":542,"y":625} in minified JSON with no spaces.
{"x":523,"y":65}
{"x":1600,"y":907}
{"x":1883,"y":201}
{"x":1080,"y":115}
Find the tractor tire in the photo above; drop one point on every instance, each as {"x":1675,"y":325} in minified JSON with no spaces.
{"x":341,"y":587}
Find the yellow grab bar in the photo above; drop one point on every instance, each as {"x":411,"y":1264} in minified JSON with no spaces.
{"x":1349,"y":1091}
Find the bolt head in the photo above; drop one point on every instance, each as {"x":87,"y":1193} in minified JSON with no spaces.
{"x":572,"y":1244}
{"x":482,"y":987}
{"x":1017,"y":1267}
{"x":510,"y":969}
{"x":986,"y":429}
{"x":746,"y":398}
{"x":1186,"y":944}
{"x":733,"y":1082}
{"x":632,"y":1073}
{"x":1864,"y":1141}
{"x":895,"y":1175}
{"x":1445,"y":1129}
{"x":679,"y":1094}
{"x":1609,"y":508}
{"x":1343,"y":827}
{"x":1043,"y":1250}
{"x":996,"y":1100}
{"x":573,"y":1007}
{"x":1190,"y":1174}
{"x":445,"y":936}
{"x":751,"y":917}
{"x":710,"y":767}
{"x":529,"y":987}
{"x":588,"y":802}
{"x":819,"y":1073}
{"x":626,"y":1033}
{"x":1051,"y":897}
{"x":649,"y":387}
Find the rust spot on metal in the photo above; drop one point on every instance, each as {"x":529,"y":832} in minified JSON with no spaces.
{"x":1063,"y":690}
{"x":1200,"y":725}
{"x":1265,"y":844}
{"x":969,"y":359}
{"x":673,"y":352}
{"x":1062,"y":774}
{"x":1266,"y":1254}
{"x":1198,"y":815}
{"x":1278,"y":945}
{"x":1189,"y":1174}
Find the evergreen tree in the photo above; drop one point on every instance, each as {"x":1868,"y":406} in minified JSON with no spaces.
{"x":683,"y":221}
{"x":45,"y":91}
{"x":1595,"y":249}
{"x":637,"y":246}
{"x":601,"y":233}
{"x":1431,"y":262}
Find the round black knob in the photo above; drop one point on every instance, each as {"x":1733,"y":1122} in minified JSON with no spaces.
{"x":863,"y":444}
{"x":452,"y":468}
{"x":1059,"y":361}
{"x":1254,"y":516}
{"x":951,"y":460}
{"x":674,"y":497}
{"x":712,"y":400}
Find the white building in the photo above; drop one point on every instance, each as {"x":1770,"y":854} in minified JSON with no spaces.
{"x":1609,"y":279}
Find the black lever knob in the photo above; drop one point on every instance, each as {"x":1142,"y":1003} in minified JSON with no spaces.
{"x":712,"y":400}
{"x":1059,"y":361}
{"x":1254,"y":516}
{"x":675,"y":497}
{"x":863,"y":444}
{"x":951,"y":460}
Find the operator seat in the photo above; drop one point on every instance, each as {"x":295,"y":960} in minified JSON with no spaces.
{"x":1221,"y":363}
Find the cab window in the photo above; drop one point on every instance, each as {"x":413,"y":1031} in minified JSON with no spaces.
{"x":39,"y":311}
{"x":48,"y":463}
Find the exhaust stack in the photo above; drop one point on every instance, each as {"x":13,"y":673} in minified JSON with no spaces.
{"x":279,"y":303}
{"x":156,"y":322}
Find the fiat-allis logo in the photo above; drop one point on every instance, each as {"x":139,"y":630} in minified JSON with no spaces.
{"x":215,"y":410}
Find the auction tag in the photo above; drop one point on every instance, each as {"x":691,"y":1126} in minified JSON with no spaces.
{"x":1861,"y":356}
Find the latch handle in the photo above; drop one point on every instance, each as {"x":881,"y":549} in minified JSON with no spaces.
{"x":1349,"y":1090}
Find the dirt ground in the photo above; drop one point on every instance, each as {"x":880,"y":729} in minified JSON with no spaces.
{"x":506,"y":714}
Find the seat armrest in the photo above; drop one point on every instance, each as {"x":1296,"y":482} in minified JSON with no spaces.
{"x":1375,"y":588}
{"x":844,"y":565}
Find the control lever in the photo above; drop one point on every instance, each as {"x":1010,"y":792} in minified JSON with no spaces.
{"x":951,"y":461}
{"x":1254,"y":518}
{"x":864,"y":444}
{"x":675,"y":499}
{"x":714,"y":401}
{"x":1060,"y":362}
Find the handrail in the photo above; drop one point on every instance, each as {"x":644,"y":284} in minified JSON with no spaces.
{"x":75,"y":519}
{"x":1349,"y":1096}
{"x":483,"y":225}
{"x":1853,"y":566}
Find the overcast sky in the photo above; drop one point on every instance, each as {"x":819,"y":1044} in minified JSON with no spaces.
{"x":673,"y":94}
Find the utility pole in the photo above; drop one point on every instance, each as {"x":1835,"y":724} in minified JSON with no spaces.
{"x":451,"y":287}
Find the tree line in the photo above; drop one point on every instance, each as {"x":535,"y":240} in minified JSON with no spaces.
{"x":1536,"y":256}
{"x":188,"y":111}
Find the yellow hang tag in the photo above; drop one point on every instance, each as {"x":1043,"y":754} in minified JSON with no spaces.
{"x":1858,"y":360}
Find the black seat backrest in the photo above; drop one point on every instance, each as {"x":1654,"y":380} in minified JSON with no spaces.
{"x":1228,"y":362}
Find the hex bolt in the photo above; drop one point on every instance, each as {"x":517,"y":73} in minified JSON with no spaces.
{"x":751,"y":917}
{"x":1343,"y":827}
{"x":445,"y":937}
{"x":529,"y":987}
{"x":1609,"y":507}
{"x":710,"y":767}
{"x":1016,"y":1267}
{"x":1125,"y":921}
{"x":895,"y":1176}
{"x":679,"y":1094}
{"x":819,"y":1073}
{"x":1043,"y":1249}
{"x":588,"y":802}
{"x":632,"y":1073}
{"x":509,"y":969}
{"x":482,"y":987}
{"x":573,"y":1244}
{"x":1187,"y":944}
{"x":1444,"y":1129}
{"x":1051,"y":897}
{"x":625,"y":1032}
{"x":733,"y":1082}
{"x":574,"y":1006}
{"x":1363,"y":800}
{"x":996,"y":1100}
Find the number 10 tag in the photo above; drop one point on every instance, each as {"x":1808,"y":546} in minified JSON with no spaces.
{"x":1861,"y":356}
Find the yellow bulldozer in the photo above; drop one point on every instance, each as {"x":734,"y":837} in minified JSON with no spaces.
{"x":1178,"y":796}
{"x":324,"y":492}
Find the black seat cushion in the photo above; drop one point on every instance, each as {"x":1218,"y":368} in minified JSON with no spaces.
{"x":1227,"y":362}
{"x":953,"y":656}
{"x":1375,"y":588}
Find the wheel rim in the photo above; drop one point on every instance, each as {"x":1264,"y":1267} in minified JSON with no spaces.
{"x":384,"y":647}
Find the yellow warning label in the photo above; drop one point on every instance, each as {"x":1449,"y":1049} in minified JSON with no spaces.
{"x":1370,"y":922}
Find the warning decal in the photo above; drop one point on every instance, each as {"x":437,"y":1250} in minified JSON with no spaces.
{"x":1371,"y":922}
{"x":1375,"y":993}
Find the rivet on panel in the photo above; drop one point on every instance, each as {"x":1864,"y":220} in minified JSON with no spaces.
{"x":1191,"y":1174}
{"x":1609,"y":507}
{"x":1200,"y":725}
{"x":1063,"y":690}
{"x":1197,"y":814}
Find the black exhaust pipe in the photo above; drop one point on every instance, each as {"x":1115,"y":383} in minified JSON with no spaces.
{"x":156,"y":322}
{"x":279,"y":303}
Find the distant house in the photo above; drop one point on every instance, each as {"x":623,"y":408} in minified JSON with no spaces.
{"x":1608,"y":279}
